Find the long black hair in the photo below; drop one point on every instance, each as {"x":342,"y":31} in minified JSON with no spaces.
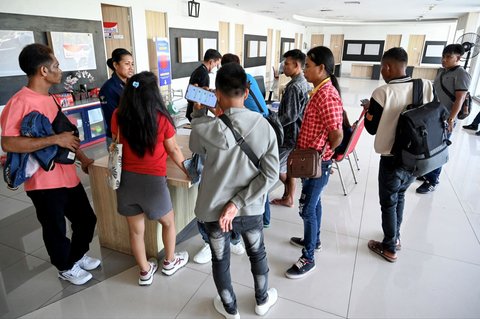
{"x":137,"y":115}
{"x":323,"y":55}
{"x":117,"y":56}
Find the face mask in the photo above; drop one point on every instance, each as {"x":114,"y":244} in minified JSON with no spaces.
{"x":214,"y":70}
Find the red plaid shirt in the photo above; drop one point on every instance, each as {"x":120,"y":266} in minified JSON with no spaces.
{"x":323,"y":114}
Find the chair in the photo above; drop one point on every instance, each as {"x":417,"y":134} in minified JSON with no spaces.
{"x":350,"y":150}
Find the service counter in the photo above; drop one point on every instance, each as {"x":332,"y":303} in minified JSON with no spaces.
{"x":113,"y":229}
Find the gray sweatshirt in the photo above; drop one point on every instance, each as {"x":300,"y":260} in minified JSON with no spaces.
{"x":228,"y":173}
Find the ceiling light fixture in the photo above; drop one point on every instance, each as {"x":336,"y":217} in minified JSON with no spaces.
{"x":352,"y":2}
{"x":359,"y":22}
{"x":193,"y":9}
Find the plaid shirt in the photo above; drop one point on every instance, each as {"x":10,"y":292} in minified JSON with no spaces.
{"x":323,"y":114}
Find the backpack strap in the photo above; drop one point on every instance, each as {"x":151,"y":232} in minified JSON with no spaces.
{"x":240,"y":141}
{"x":417,"y":94}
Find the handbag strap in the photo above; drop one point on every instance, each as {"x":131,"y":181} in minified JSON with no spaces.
{"x":241,"y":141}
{"x":447,"y":92}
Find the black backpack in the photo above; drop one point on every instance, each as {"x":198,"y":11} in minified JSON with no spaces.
{"x":421,"y":143}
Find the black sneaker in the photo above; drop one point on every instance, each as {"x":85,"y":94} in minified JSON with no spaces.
{"x":478,"y":133}
{"x":471,"y":127}
{"x":300,"y":269}
{"x":426,"y":188}
{"x":297,"y":241}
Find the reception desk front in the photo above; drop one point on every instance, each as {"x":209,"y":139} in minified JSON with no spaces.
{"x":113,"y":229}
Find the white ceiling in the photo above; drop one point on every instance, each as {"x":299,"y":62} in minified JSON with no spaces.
{"x":366,"y":11}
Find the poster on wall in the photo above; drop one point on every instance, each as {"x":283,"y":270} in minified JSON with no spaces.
{"x":74,"y":50}
{"x":252,"y":49}
{"x":187,"y":50}
{"x":110,"y":29}
{"x":11,"y":44}
{"x":163,"y":60}
{"x":206,"y":44}
{"x":262,"y":49}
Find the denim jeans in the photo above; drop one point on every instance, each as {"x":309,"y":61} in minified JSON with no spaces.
{"x":393,"y":181}
{"x":434,"y":176}
{"x":310,"y":206}
{"x":266,"y":213}
{"x":251,"y":229}
{"x":235,"y":237}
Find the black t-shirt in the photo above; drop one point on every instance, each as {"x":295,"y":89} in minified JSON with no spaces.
{"x":199,"y":77}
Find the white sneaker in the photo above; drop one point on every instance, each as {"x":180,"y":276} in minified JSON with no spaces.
{"x":146,"y":277}
{"x":88,"y":263}
{"x":217,"y":303}
{"x":204,"y":255}
{"x":171,"y":267}
{"x":262,"y":310}
{"x":237,"y":249}
{"x":76,"y":275}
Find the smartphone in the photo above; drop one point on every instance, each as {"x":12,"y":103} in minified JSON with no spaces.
{"x":202,"y":96}
{"x":364,"y":101}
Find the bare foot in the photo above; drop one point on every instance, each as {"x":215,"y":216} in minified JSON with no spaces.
{"x":282,"y":202}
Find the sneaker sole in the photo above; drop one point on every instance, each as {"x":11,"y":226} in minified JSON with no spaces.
{"x":76,"y":282}
{"x":291,"y":276}
{"x":170,"y":272}
{"x":92,"y":268}
{"x":301,"y":246}
{"x":149,"y":281}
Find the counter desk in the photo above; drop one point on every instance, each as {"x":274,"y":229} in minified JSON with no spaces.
{"x":113,"y":229}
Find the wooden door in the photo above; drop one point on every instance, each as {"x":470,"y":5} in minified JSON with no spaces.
{"x":316,"y":40}
{"x":122,"y":37}
{"x":336,"y":45}
{"x":239,"y":41}
{"x":276,"y":57}
{"x":156,"y":23}
{"x":415,"y":49}
{"x":223,"y":37}
{"x":392,"y":41}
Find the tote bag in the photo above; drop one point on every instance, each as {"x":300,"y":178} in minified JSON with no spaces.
{"x":115,"y":162}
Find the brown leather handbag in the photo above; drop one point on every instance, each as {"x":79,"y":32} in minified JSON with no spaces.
{"x":304,"y":163}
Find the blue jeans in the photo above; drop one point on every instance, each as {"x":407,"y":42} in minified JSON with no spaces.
{"x":266,"y":213}
{"x":434,"y":176}
{"x":393,"y":181}
{"x":310,"y":206}
{"x":235,"y":237}
{"x":251,"y":228}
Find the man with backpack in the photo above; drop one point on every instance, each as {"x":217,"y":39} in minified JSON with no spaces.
{"x":384,"y":108}
{"x":451,"y":86}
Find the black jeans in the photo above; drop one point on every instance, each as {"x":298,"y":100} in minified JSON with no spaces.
{"x":251,"y":229}
{"x":393,"y":181}
{"x":52,"y":206}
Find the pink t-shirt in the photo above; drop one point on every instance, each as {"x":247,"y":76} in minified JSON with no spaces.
{"x":21,"y":104}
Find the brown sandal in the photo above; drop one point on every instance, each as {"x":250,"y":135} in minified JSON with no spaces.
{"x":377,"y":248}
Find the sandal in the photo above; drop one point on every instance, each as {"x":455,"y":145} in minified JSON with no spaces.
{"x":377,"y":248}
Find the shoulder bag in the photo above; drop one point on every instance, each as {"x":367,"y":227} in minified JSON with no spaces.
{"x":467,"y":103}
{"x":305,"y":163}
{"x":115,"y":162}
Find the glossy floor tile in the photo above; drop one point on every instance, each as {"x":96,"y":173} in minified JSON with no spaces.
{"x":437,"y":274}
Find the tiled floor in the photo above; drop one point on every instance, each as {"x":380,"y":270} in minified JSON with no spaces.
{"x":437,"y":274}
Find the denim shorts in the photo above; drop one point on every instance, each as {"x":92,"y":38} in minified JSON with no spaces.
{"x":141,"y":193}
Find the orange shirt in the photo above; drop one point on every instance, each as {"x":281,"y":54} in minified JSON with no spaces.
{"x":21,"y":104}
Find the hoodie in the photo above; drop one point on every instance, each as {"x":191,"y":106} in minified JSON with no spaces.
{"x":228,"y":173}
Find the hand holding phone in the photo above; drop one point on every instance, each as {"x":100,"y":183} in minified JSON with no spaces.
{"x":364,"y":101}
{"x":199,"y":95}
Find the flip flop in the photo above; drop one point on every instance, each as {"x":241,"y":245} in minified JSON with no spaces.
{"x":279,"y":201}
{"x":377,"y":248}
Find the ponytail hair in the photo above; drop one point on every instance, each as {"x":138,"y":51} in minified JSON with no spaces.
{"x":117,"y":56}
{"x":322,"y":55}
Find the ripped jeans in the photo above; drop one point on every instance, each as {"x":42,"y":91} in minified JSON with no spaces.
{"x":251,"y":229}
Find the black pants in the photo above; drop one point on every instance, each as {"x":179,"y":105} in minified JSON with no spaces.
{"x":52,"y":206}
